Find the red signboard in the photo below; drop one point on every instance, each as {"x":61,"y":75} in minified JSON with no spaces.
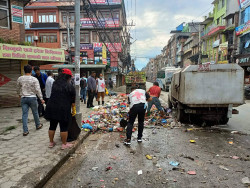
{"x":212,"y":31}
{"x":4,"y":80}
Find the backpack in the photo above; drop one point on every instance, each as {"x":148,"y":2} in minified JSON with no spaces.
{"x":83,"y":83}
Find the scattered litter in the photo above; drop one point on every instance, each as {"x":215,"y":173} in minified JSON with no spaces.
{"x":245,"y":181}
{"x":117,"y":145}
{"x":223,"y":168}
{"x":178,"y":169}
{"x":192,"y":141}
{"x":95,"y":168}
{"x":173,"y":163}
{"x":191,"y":172}
{"x":78,"y":179}
{"x":235,"y":157}
{"x":217,"y":155}
{"x":108,"y":168}
{"x":149,"y":157}
{"x":87,"y":126}
{"x":235,"y":132}
{"x":231,"y":142}
{"x":101,"y":180}
{"x":116,"y":179}
{"x":139,"y":172}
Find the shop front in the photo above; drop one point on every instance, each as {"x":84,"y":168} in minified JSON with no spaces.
{"x":12,"y":60}
{"x":244,"y":62}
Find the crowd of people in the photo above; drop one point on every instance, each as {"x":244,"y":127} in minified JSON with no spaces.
{"x":36,"y":89}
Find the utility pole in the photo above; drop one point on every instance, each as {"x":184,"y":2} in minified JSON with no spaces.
{"x":77,"y":60}
{"x":69,"y":39}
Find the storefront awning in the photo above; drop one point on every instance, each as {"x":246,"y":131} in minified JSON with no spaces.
{"x":86,"y":66}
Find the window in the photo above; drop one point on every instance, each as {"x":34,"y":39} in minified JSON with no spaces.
{"x":48,"y":37}
{"x":105,"y":14}
{"x":47,"y":17}
{"x":116,"y":15}
{"x":64,"y":38}
{"x":218,"y":21}
{"x":94,"y":36}
{"x":29,"y":38}
{"x":4,"y":14}
{"x":116,"y":37}
{"x":223,"y":3}
{"x":64,"y":17}
{"x":84,"y":38}
{"x":245,"y":15}
{"x":72,"y":17}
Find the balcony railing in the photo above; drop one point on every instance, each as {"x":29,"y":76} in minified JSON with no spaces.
{"x":44,"y":25}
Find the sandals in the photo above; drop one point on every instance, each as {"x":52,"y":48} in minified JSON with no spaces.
{"x":40,"y":126}
{"x":52,"y":144}
{"x":66,"y":146}
{"x":25,"y":134}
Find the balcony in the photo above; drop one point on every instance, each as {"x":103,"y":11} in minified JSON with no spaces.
{"x":209,"y":18}
{"x":213,"y":29}
{"x":44,"y":26}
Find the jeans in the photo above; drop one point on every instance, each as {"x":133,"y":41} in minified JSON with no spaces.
{"x":29,"y":102}
{"x":156,"y":102}
{"x":136,"y":110}
{"x":83,"y":93}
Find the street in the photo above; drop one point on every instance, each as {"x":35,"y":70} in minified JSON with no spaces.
{"x":218,"y":158}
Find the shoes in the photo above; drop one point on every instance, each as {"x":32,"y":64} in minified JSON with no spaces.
{"x":25,"y":134}
{"x":84,"y":101}
{"x":52,"y":144}
{"x":39,"y":127}
{"x":139,"y":140}
{"x":127,"y":142}
{"x":66,"y":146}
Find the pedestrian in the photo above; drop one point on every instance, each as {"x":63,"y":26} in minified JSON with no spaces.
{"x":28,"y":88}
{"x":91,"y":82}
{"x":100,"y":89}
{"x":83,"y":85}
{"x":138,"y":103}
{"x":155,"y":92}
{"x":42,"y":77}
{"x":48,"y":86}
{"x":58,"y":109}
{"x":111,"y":84}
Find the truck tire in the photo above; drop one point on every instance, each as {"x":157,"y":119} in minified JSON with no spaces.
{"x":224,"y":120}
{"x":181,"y":116}
{"x":170,"y":105}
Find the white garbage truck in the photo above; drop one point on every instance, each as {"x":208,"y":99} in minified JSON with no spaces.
{"x":206,"y":94}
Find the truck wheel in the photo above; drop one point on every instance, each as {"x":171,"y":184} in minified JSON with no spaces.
{"x":224,"y":120}
{"x":170,"y":105}
{"x":181,"y":116}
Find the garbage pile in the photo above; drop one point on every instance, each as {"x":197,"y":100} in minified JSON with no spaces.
{"x":109,"y":116}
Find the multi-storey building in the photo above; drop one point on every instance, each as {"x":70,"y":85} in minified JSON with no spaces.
{"x":103,"y":26}
{"x":15,"y":52}
{"x":243,"y":43}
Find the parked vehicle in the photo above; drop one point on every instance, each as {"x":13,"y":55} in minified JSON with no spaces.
{"x":135,"y":79}
{"x":164,"y":77}
{"x":247,"y":92}
{"x":207,"y":93}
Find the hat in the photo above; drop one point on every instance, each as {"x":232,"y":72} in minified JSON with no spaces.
{"x":67,"y":71}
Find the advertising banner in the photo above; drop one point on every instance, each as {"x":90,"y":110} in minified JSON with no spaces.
{"x":86,"y":46}
{"x":224,"y":48}
{"x":244,"y":3}
{"x":103,"y":22}
{"x":17,"y":14}
{"x":110,"y":2}
{"x":112,"y":47}
{"x":8,"y":51}
{"x":104,"y":52}
{"x":87,"y":22}
{"x":242,"y":28}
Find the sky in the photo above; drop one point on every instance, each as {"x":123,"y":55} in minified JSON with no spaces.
{"x":154,"y":19}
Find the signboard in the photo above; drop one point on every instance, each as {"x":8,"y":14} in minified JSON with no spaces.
{"x":104,"y":55}
{"x":224,"y":48}
{"x":204,"y":67}
{"x":17,"y":14}
{"x":8,"y":51}
{"x":244,"y":3}
{"x":102,"y":22}
{"x":216,"y":43}
{"x":86,"y":46}
{"x":110,"y":2}
{"x":4,"y":80}
{"x":112,"y":47}
{"x":243,"y":28}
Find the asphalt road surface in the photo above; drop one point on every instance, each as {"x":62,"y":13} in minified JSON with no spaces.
{"x":218,"y":158}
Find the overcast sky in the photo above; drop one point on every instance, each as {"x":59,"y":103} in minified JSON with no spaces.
{"x":155,"y":19}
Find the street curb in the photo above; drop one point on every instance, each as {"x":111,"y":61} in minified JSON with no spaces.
{"x":47,"y":177}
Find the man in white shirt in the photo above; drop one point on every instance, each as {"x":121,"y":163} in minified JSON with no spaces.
{"x":48,"y":86}
{"x":27,"y":88}
{"x":138,"y":103}
{"x":100,"y":89}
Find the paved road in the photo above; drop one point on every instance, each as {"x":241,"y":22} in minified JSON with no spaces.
{"x":240,"y":122}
